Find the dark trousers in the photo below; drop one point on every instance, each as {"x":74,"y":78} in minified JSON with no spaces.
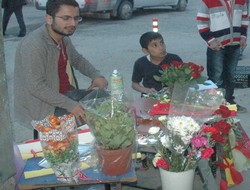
{"x":19,"y":16}
{"x":221,"y":68}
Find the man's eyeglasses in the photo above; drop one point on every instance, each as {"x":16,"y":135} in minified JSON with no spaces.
{"x":68,"y":18}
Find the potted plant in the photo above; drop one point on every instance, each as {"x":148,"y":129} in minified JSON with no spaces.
{"x":113,"y":126}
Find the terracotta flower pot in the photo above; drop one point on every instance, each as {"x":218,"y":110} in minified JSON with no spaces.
{"x":115,"y":162}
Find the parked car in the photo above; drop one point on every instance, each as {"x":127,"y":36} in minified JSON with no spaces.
{"x":41,"y":4}
{"x":122,"y":9}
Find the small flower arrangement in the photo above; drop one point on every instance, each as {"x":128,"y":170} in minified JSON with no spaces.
{"x":180,"y":72}
{"x":186,"y":138}
{"x":59,"y":140}
{"x":184,"y":144}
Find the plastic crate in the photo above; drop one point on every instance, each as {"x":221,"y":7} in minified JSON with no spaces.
{"x":242,"y":77}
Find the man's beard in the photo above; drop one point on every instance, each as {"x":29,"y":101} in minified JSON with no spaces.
{"x":59,"y":32}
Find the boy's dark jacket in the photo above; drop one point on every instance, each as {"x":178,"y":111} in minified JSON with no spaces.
{"x":13,"y":3}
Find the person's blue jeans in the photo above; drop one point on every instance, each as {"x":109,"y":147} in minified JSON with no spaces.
{"x":221,"y":68}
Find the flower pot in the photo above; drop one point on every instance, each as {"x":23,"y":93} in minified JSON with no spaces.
{"x":177,"y":180}
{"x":115,"y":162}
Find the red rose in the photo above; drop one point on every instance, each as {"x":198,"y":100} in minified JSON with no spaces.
{"x":223,"y":111}
{"x":222,"y":126}
{"x":196,"y":75}
{"x":161,"y":163}
{"x":177,"y":64}
{"x":165,"y":66}
{"x":207,"y":153}
{"x":219,"y":138}
{"x":209,"y":129}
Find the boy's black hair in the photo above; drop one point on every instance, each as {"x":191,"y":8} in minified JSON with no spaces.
{"x":53,"y":6}
{"x":148,"y":37}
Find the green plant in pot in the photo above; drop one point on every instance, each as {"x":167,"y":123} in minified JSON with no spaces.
{"x":113,"y":125}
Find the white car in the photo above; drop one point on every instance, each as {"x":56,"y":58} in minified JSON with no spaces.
{"x":122,"y":9}
{"x":41,"y":4}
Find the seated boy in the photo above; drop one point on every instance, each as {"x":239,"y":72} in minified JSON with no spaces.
{"x":146,"y":67}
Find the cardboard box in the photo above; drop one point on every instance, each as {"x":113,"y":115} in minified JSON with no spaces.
{"x":242,"y":77}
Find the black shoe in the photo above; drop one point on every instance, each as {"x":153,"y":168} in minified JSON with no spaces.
{"x":241,"y":109}
{"x":21,"y":35}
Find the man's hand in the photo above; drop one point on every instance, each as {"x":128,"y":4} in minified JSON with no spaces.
{"x":215,"y":45}
{"x":99,"y":82}
{"x":79,"y":113}
{"x":243,"y":43}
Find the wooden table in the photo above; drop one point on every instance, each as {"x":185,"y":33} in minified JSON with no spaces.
{"x":50,"y":181}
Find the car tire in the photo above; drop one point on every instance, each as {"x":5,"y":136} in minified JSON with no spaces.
{"x":182,"y":5}
{"x":38,"y":7}
{"x":125,"y":10}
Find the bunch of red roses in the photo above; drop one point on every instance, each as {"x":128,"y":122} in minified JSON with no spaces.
{"x":180,"y":72}
{"x":223,"y":127}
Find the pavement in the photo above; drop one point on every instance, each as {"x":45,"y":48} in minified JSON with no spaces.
{"x":34,"y":19}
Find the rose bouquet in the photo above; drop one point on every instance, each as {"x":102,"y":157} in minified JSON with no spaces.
{"x":179,"y":72}
{"x":232,"y":147}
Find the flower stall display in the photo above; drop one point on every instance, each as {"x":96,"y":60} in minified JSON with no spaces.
{"x":220,"y":139}
{"x":59,"y":140}
{"x":113,"y":126}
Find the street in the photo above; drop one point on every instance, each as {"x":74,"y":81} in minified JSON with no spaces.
{"x":114,"y":44}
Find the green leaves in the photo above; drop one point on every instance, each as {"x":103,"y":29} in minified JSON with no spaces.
{"x":70,"y":154}
{"x":112,"y":124}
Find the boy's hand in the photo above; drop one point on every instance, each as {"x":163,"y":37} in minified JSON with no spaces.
{"x":149,"y":90}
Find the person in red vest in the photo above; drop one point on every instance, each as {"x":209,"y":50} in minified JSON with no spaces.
{"x":223,"y":25}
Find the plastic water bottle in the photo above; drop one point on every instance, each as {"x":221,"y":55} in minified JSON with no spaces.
{"x":116,"y":85}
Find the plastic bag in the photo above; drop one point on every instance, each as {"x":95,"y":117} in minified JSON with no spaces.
{"x":112,"y":123}
{"x":59,"y":140}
